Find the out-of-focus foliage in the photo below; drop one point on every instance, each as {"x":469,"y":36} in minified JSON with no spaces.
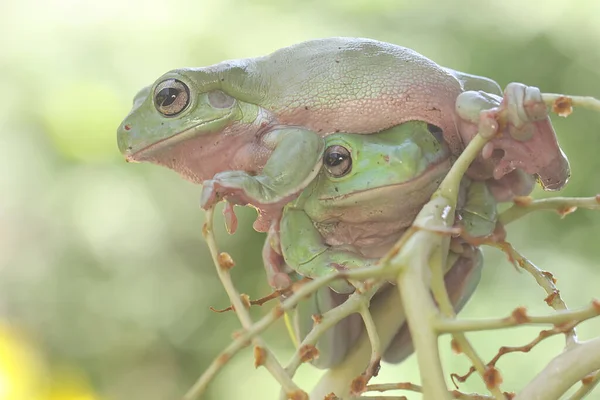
{"x":103,"y":271}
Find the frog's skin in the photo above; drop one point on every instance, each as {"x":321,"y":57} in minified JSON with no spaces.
{"x":251,"y":129}
{"x":369,"y":190}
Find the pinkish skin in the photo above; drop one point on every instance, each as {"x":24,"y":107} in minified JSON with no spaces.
{"x":325,"y":86}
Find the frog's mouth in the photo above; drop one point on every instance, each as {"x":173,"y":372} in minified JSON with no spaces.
{"x":170,"y":141}
{"x":433,"y":172}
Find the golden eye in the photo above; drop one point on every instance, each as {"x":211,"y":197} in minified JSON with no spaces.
{"x":337,"y":160}
{"x":171,"y":97}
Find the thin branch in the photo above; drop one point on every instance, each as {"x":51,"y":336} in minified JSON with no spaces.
{"x":519,"y":318}
{"x":263,"y":356}
{"x":384,"y":387}
{"x":359,"y":384}
{"x":460,"y":340}
{"x":328,"y":320}
{"x":543,"y":278}
{"x":563,"y":105}
{"x":561,"y":205}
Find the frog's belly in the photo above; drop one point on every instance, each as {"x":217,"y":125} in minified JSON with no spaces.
{"x":371,"y":239}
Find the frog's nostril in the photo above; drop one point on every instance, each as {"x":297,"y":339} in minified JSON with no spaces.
{"x":127,"y":127}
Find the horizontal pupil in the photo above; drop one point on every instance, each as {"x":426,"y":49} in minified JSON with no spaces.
{"x":335,"y":159}
{"x":168,"y":96}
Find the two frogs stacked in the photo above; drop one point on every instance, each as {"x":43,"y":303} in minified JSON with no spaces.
{"x":338,"y":143}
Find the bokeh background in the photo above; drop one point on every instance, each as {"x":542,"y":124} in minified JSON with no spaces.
{"x":105,"y":281}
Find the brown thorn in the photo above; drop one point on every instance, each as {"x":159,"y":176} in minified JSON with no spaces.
{"x":492,"y":377}
{"x":257,"y":302}
{"x":297,"y":395}
{"x":522,"y":201}
{"x":225,"y":261}
{"x":519,"y":315}
{"x":260,"y":356}
{"x":308,"y":353}
{"x":563,"y":106}
{"x":455,"y":377}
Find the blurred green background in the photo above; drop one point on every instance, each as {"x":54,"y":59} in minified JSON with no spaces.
{"x":105,"y":281}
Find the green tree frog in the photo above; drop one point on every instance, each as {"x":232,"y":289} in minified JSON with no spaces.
{"x":251,"y":130}
{"x":366,"y":195}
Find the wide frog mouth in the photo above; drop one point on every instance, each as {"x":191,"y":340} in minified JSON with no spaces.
{"x":189,"y":133}
{"x":439,"y":167}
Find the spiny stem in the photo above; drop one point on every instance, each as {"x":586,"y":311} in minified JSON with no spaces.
{"x":544,"y":279}
{"x":562,"y":105}
{"x":384,"y":387}
{"x":223,"y":264}
{"x":519,"y":318}
{"x":442,"y":298}
{"x":330,"y":319}
{"x":562,"y":205}
{"x":376,"y":350}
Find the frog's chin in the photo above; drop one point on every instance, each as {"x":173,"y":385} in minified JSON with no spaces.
{"x":432,"y":173}
{"x":201,"y":129}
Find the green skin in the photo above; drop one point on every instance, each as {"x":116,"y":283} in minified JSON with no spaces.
{"x":367,"y":193}
{"x":252,"y":130}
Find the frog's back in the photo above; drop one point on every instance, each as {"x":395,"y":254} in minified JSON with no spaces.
{"x":353,"y":85}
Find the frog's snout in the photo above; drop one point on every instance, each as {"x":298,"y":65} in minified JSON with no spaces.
{"x":124,"y":135}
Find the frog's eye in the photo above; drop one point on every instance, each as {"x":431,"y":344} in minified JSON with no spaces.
{"x":337,"y":160}
{"x":436,"y":131}
{"x":171,"y":97}
{"x":218,"y":99}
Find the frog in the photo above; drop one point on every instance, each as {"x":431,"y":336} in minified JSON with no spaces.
{"x":367,"y":193}
{"x":252,"y":130}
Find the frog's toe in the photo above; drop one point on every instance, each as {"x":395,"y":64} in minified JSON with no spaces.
{"x":342,"y":286}
{"x":208,"y":198}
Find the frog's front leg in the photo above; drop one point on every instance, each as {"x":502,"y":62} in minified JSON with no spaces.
{"x":304,"y":250}
{"x":278,"y":272}
{"x":480,"y":213}
{"x":294,"y":162}
{"x":527,"y":141}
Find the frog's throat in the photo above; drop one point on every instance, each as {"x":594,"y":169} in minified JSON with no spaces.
{"x":435,"y":170}
{"x":176,"y":138}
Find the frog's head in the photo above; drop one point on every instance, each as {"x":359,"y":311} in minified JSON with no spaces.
{"x":183,"y":112}
{"x":392,"y":171}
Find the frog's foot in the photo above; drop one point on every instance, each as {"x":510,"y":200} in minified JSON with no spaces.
{"x":525,"y":139}
{"x":341,"y":286}
{"x":240,"y":188}
{"x":514,"y":184}
{"x":278,"y":272}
